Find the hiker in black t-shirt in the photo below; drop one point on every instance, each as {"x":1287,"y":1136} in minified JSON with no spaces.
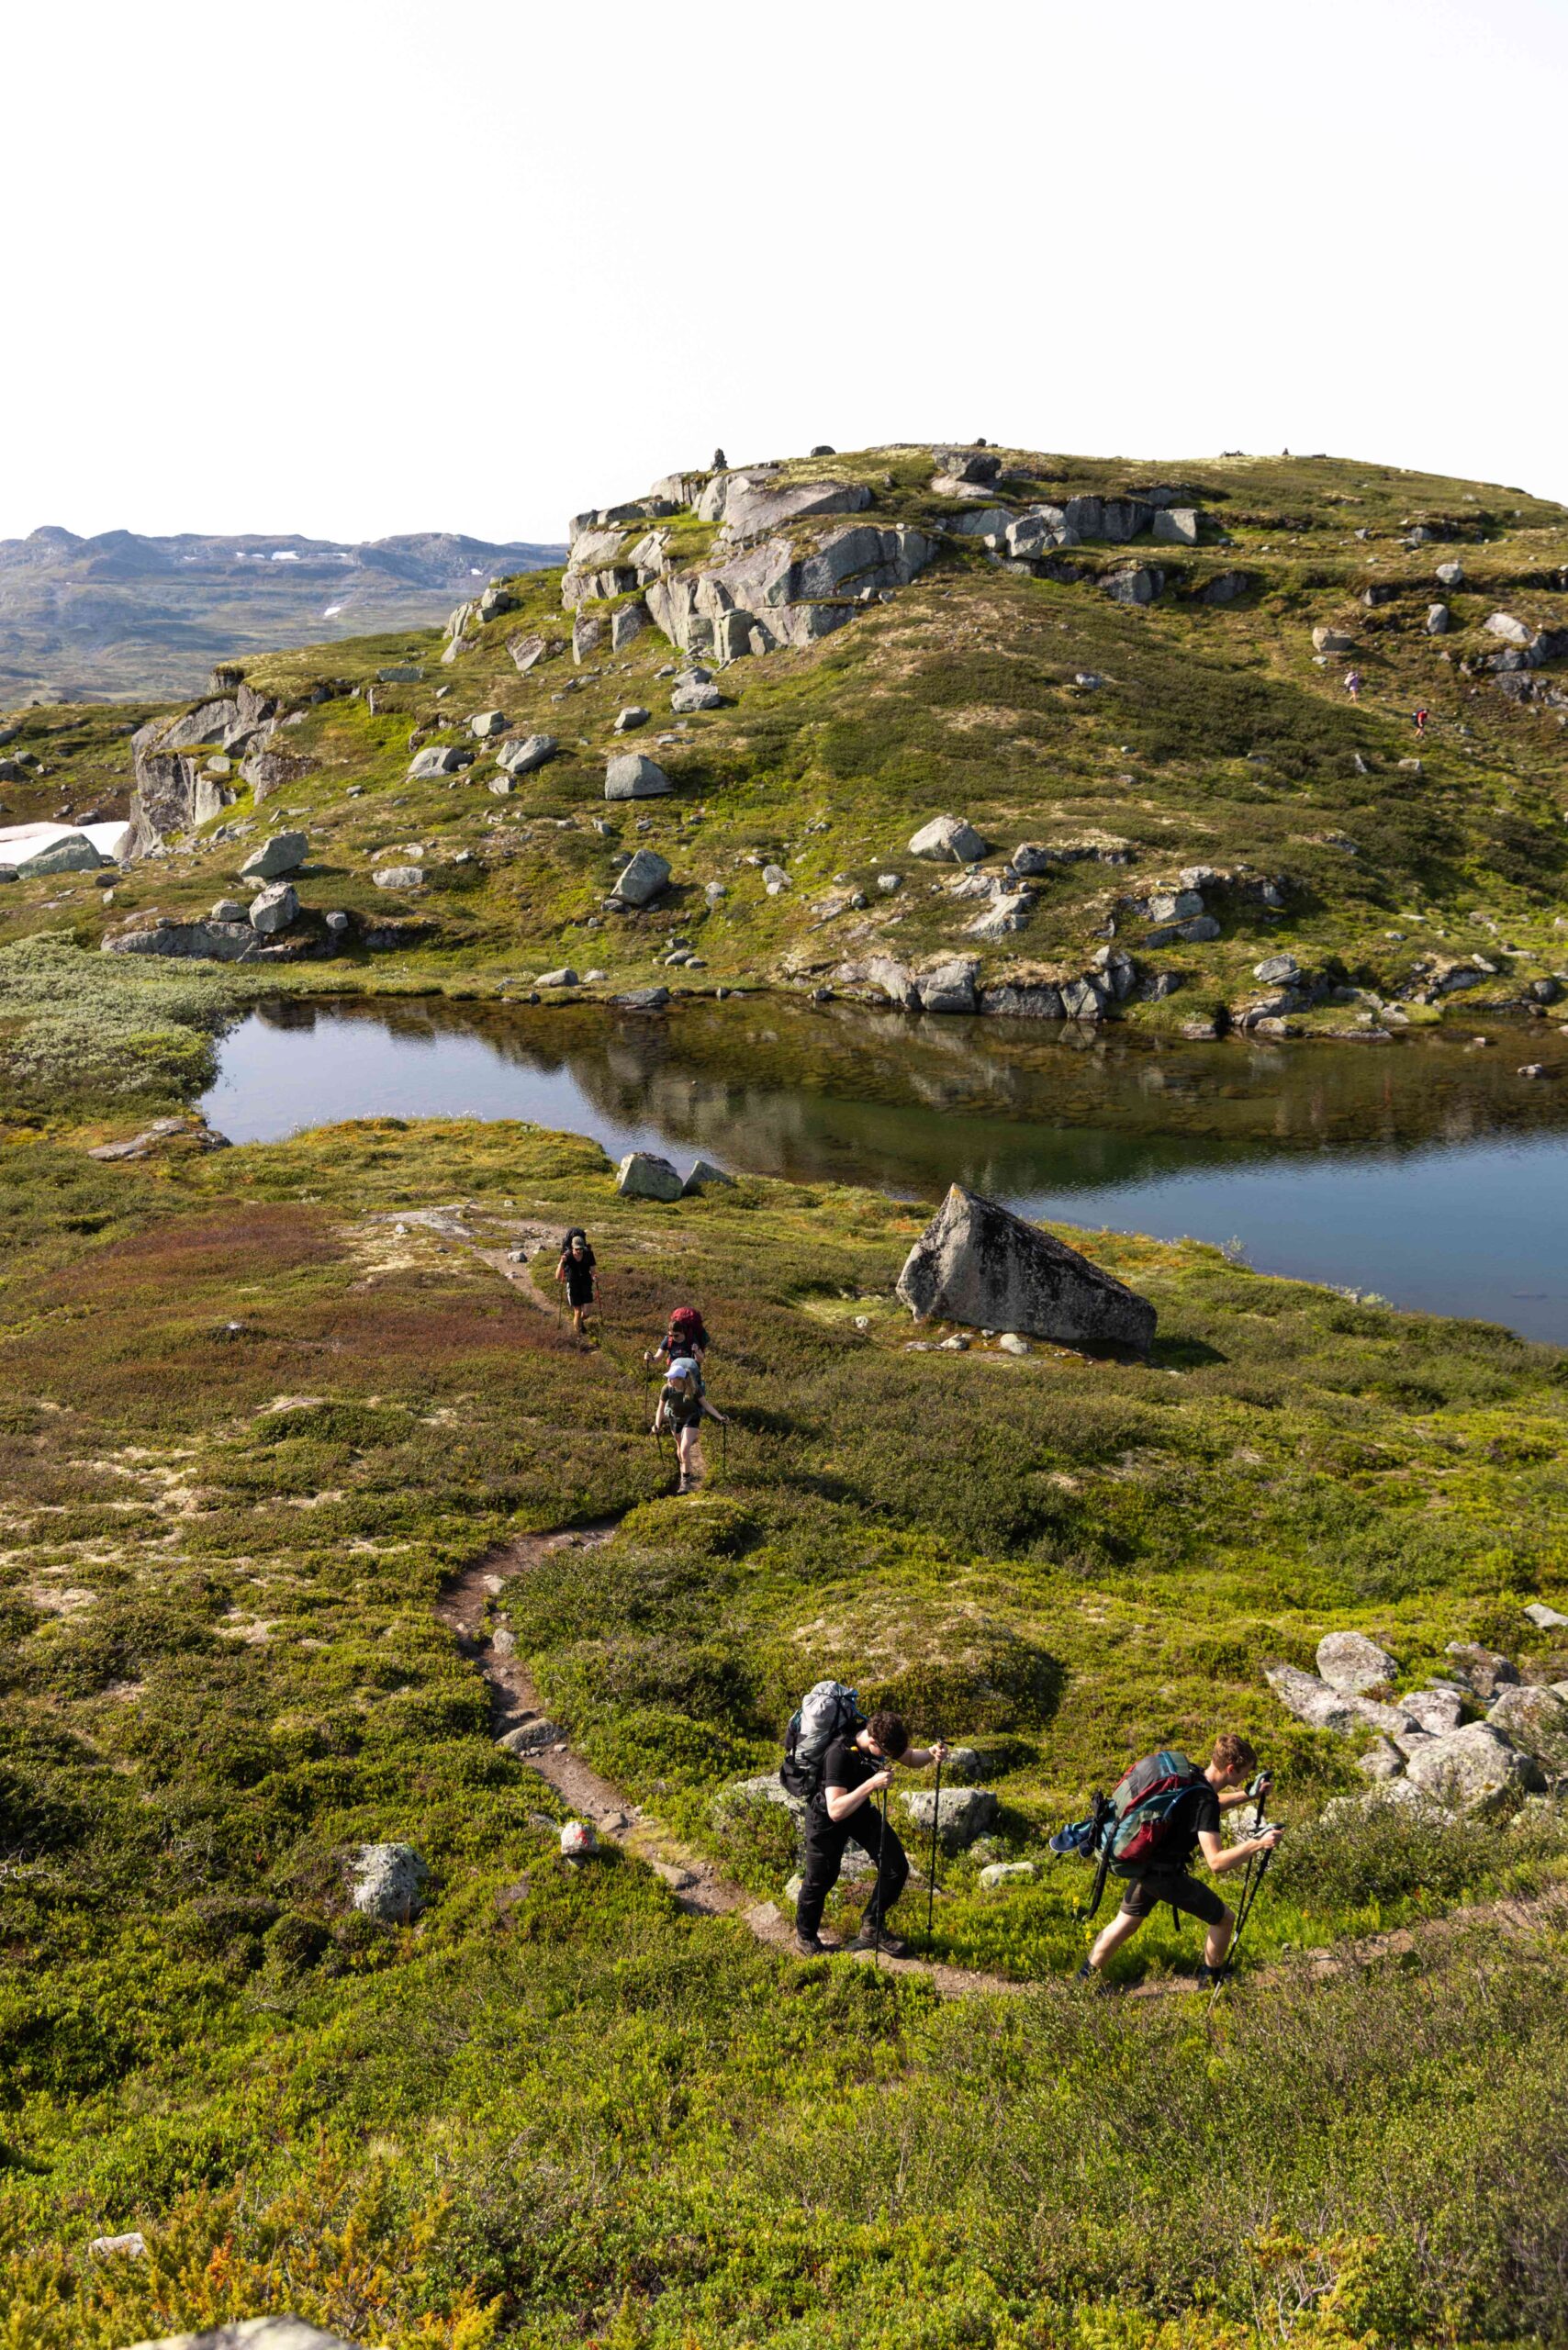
{"x":1193,"y":1826}
{"x":856,"y":1769}
{"x":577,"y":1272}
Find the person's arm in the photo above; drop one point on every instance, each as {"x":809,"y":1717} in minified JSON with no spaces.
{"x":660,"y":1418}
{"x":842,"y":1802}
{"x":1221,"y":1857}
{"x":917,"y":1757}
{"x":560,"y":1268}
{"x":712,"y":1414}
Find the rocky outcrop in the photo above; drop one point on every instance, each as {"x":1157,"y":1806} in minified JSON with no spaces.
{"x":212,"y":941}
{"x":1351,"y":1663}
{"x":1476,"y":1771}
{"x":1536,"y":1719}
{"x":72,"y":853}
{"x":979,"y":1264}
{"x":748,"y":504}
{"x":772,"y":595}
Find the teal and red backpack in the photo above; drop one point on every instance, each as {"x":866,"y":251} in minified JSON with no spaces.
{"x":1127,"y":1828}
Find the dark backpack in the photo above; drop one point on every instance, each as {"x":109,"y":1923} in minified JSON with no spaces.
{"x":828,"y":1710}
{"x":1144,"y":1808}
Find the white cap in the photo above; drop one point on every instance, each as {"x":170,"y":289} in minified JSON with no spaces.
{"x":683,"y":1367}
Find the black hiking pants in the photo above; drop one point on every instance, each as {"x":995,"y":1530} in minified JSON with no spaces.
{"x":826,"y":1844}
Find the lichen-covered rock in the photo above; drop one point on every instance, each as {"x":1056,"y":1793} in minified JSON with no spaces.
{"x":979,"y":1264}
{"x":1536,"y":1719}
{"x":1311,"y":1700}
{"x":1475,"y":1771}
{"x":958,"y":1814}
{"x":634,"y":776}
{"x":949,"y":840}
{"x":274,"y":908}
{"x":1483,"y":1670}
{"x":521,"y":758}
{"x":388,"y":1882}
{"x":283,"y":853}
{"x":641,"y":879}
{"x":643,"y":1175}
{"x":948,"y":985}
{"x":998,"y":1873}
{"x":1437,"y":1710}
{"x":703,"y":1176}
{"x":1351,"y":1663}
{"x":436,"y":759}
{"x":253,"y":2333}
{"x":72,"y":853}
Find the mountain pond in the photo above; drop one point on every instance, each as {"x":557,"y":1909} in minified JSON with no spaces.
{"x":1426,"y":1171}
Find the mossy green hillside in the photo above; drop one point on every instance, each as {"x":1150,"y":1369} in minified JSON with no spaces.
{"x":1217,"y":738}
{"x":254,"y":1413}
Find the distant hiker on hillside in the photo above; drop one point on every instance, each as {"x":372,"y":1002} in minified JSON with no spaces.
{"x":855,"y":1767}
{"x":576,"y":1272}
{"x":682,"y":1408}
{"x":1420,"y":718}
{"x":1353,"y":684}
{"x":685,"y":1336}
{"x":1178,"y":1806}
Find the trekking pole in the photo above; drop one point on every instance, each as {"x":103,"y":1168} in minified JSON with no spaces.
{"x":877,"y":1895}
{"x":931,"y":1879}
{"x":1252,"y":1883}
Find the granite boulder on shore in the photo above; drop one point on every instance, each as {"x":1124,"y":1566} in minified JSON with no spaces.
{"x":979,"y":1264}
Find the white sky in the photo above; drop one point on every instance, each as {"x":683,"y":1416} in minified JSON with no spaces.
{"x":359,"y":267}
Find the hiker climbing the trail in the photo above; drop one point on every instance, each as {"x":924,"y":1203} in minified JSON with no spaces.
{"x":684,"y":1335}
{"x":1162,"y":1811}
{"x":842,"y":1763}
{"x":1353,"y":684}
{"x":577,"y":1273}
{"x":1418,"y":719}
{"x":682,"y":1407}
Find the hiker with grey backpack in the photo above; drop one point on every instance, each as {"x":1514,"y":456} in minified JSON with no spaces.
{"x":840,"y":1762}
{"x":1146,"y":1832}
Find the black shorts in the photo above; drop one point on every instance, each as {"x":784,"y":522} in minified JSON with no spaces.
{"x":1144,"y":1894}
{"x":580,"y":1294}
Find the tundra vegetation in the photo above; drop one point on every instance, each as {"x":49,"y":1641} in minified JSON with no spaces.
{"x":256,"y":1409}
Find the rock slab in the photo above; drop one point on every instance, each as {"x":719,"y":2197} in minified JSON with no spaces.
{"x":643,"y":1175}
{"x":979,"y":1264}
{"x":958,"y":1814}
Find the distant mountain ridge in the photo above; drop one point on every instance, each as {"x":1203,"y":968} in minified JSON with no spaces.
{"x":119,"y":613}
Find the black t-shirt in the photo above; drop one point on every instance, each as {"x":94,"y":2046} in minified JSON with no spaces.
{"x":578,"y":1272}
{"x":847,"y":1765}
{"x":1195,"y":1815}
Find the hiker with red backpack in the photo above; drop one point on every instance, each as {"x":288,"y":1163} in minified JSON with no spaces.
{"x":840,"y":1762}
{"x":1164,"y":1810}
{"x":683,"y":1336}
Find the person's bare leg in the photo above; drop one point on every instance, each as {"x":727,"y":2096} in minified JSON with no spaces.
{"x":1218,"y":1941}
{"x":685,"y":1445}
{"x":1121,"y":1930}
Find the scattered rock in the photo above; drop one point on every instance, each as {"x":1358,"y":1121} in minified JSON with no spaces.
{"x":1225,"y":587}
{"x":523,"y":758}
{"x":627,"y":622}
{"x":578,"y":1841}
{"x":133,"y":2247}
{"x":398,"y":877}
{"x":979,"y":1264}
{"x":997,"y":1872}
{"x":1545,"y":1619}
{"x":948,"y":839}
{"x":274,"y":908}
{"x":388,"y":1881}
{"x":527,"y":652}
{"x":644,"y":999}
{"x":1142,"y":584}
{"x":703,"y":1174}
{"x":641,"y":879}
{"x":486,"y":723}
{"x":565,"y":977}
{"x":1450,"y":575}
{"x":949,"y":985}
{"x":285,"y":853}
{"x":634,"y":776}
{"x":958,"y":1815}
{"x":691,"y":694}
{"x":1333,"y":639}
{"x":1352,"y":1664}
{"x":1177,"y":526}
{"x":1511,"y":631}
{"x":775,"y":880}
{"x":72,"y":853}
{"x":1437,"y":1710}
{"x":1277,"y":970}
{"x":436,"y":759}
{"x":643,"y":1175}
{"x":1437,"y":619}
{"x":1311,"y":1700}
{"x":1010,"y":1343}
{"x":1381,"y":1761}
{"x":626,"y":722}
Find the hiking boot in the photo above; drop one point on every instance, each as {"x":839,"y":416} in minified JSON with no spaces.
{"x":1091,"y":1978}
{"x":878,"y":1939}
{"x":808,"y":1946}
{"x":1211,"y":1977}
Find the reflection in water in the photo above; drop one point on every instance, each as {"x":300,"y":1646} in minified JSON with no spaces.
{"x":1426,"y":1169}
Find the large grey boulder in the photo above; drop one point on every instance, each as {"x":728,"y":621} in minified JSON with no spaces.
{"x":703,"y":1175}
{"x":1451,"y":574}
{"x":521,"y":758}
{"x":388,"y":1881}
{"x":285,"y":853}
{"x":1169,"y":905}
{"x":966,"y":464}
{"x":958,"y":1814}
{"x":267,"y":771}
{"x":1437,"y":618}
{"x":949,"y":986}
{"x":1511,"y":631}
{"x":949,"y":840}
{"x":1474,"y":1770}
{"x":1352,"y":1664}
{"x":436,"y":759}
{"x":694,"y":692}
{"x":1178,"y":526}
{"x":634,"y":776}
{"x":1479,"y":1668}
{"x":486,"y":723}
{"x":626,"y":623}
{"x":274,"y":908}
{"x":1023,"y":1000}
{"x":1142,"y":584}
{"x":1332,"y":640}
{"x":751,"y":506}
{"x":1437,"y":1710}
{"x":1311,"y":1700}
{"x":643,"y":1175}
{"x":588,"y":632}
{"x":72,"y":853}
{"x":1225,"y":587}
{"x":979,"y":1264}
{"x":641,"y":879}
{"x":1537,"y":1720}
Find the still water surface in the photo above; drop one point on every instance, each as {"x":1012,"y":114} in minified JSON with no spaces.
{"x":1427,"y":1170}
